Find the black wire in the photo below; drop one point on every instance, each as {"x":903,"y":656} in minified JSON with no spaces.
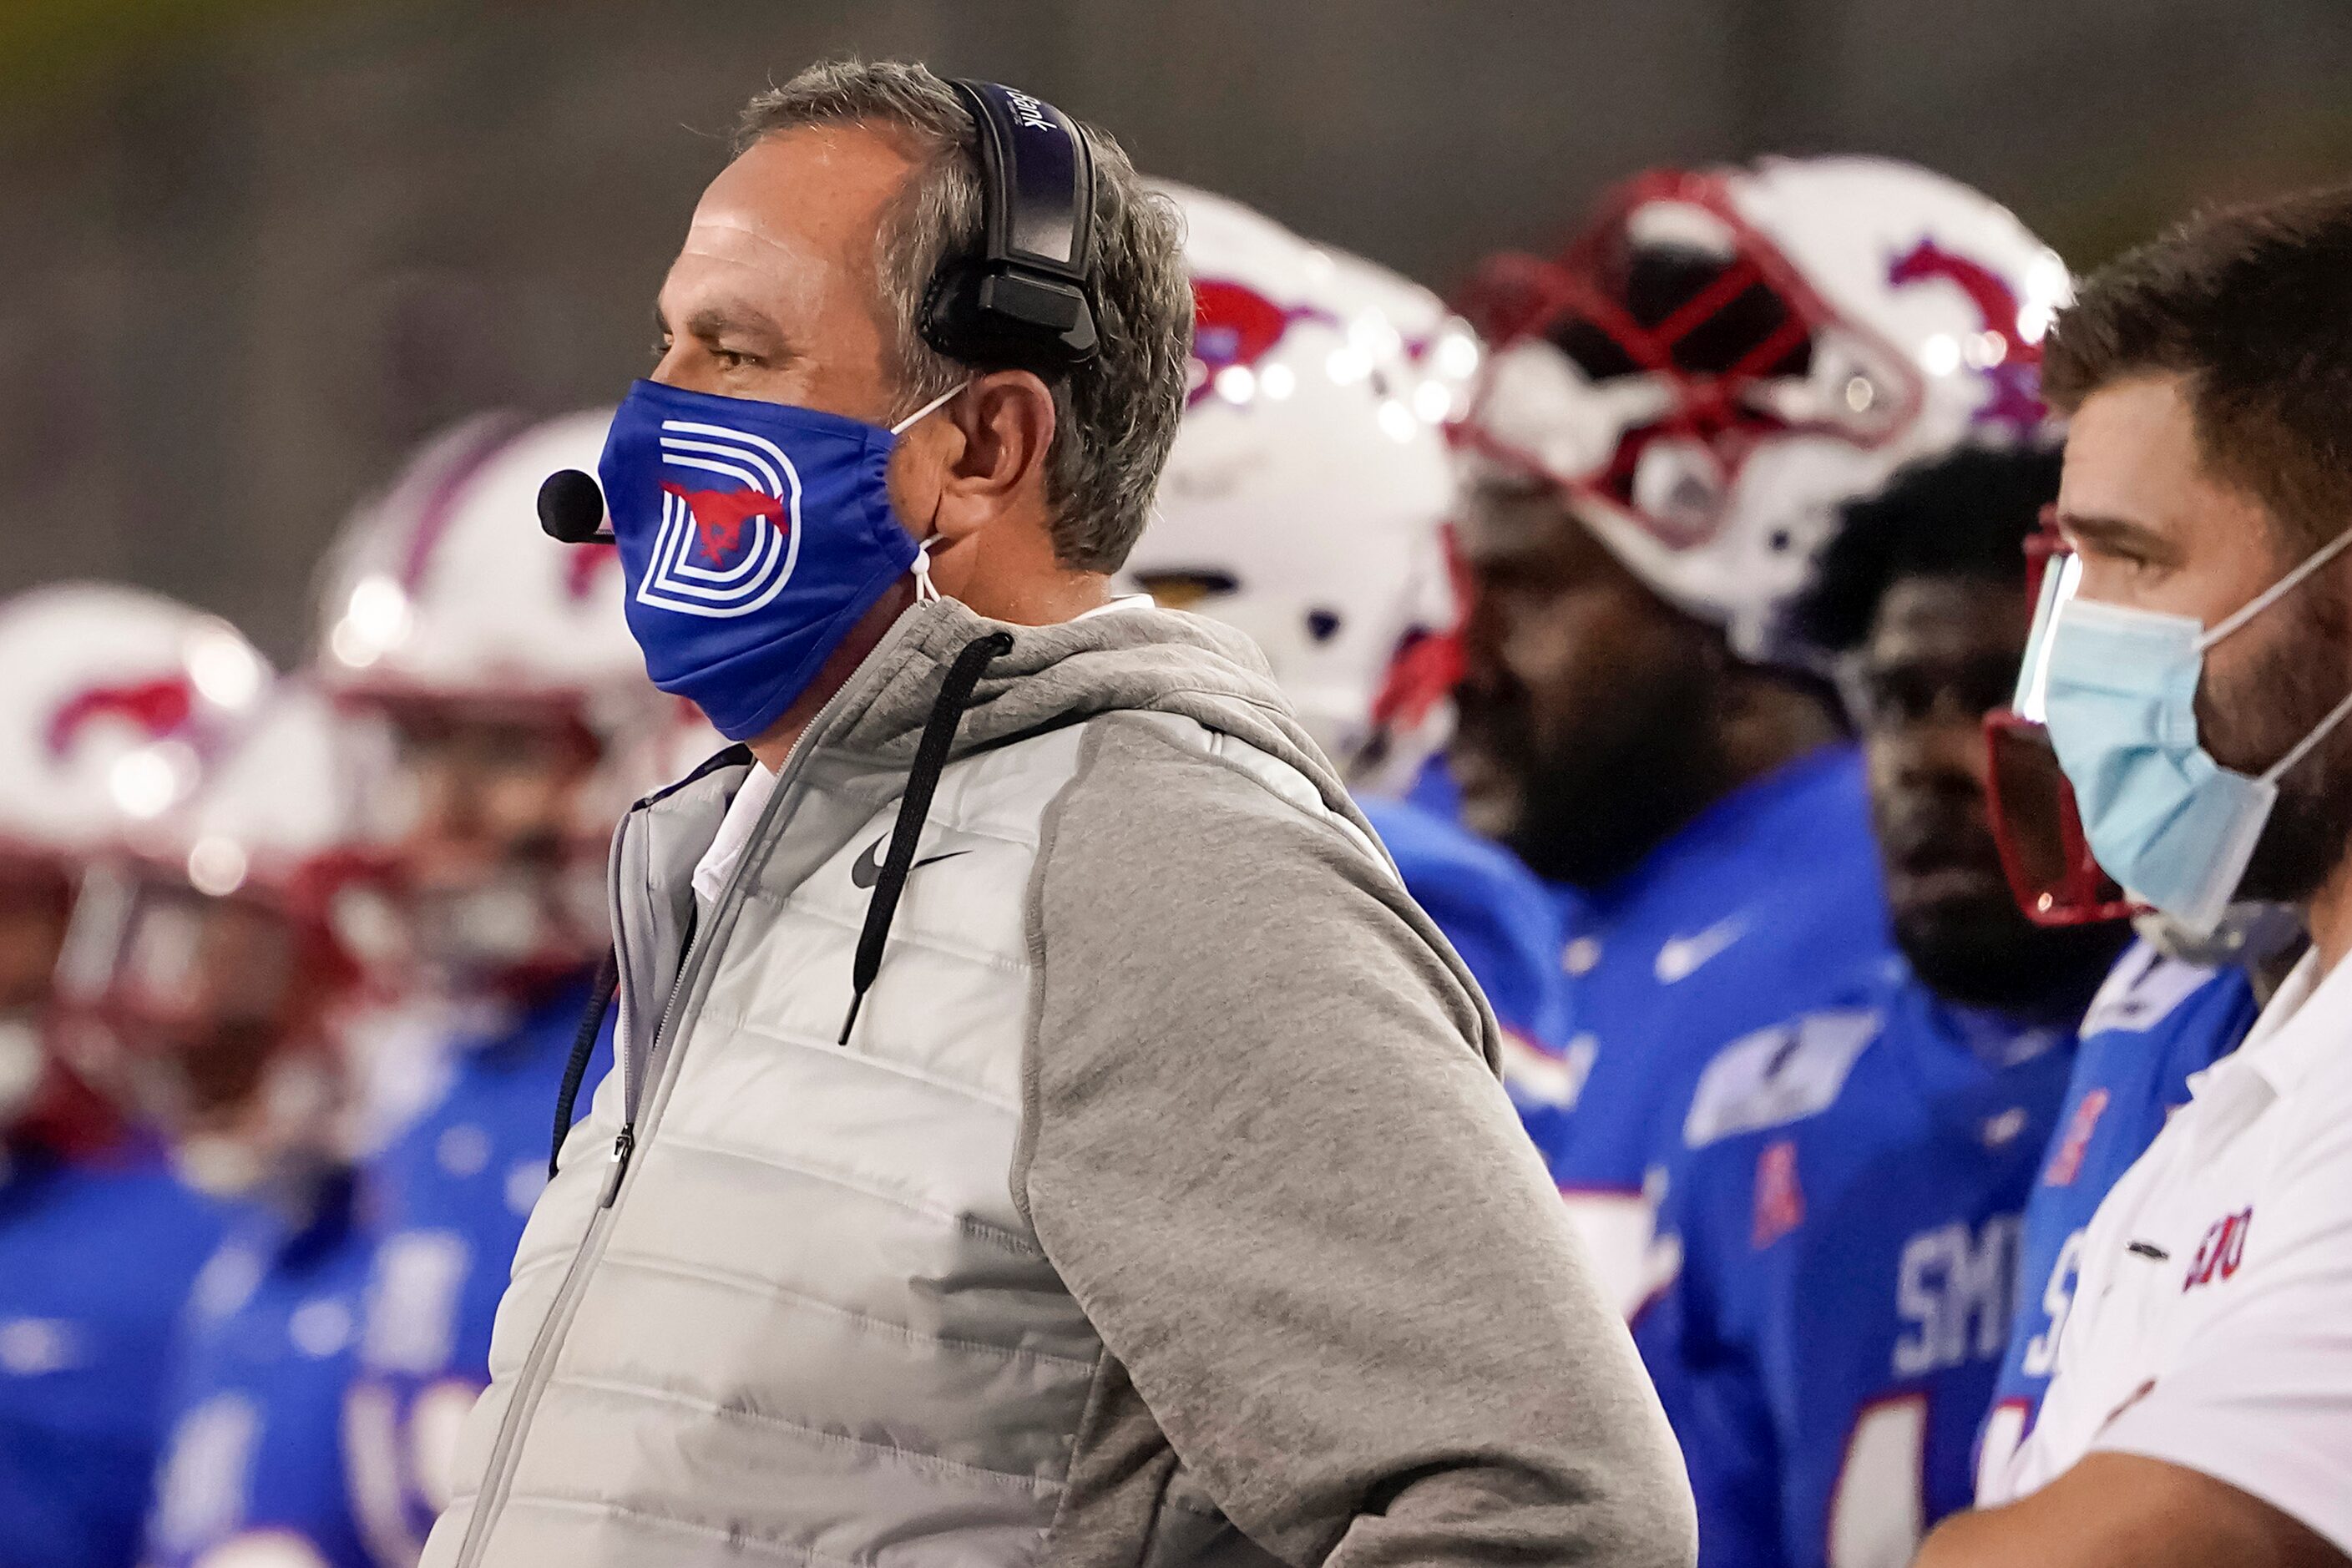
{"x":914,"y":807}
{"x":584,"y":1046}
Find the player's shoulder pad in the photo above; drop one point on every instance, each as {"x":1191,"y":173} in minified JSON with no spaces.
{"x":1778,"y":1075}
{"x":2143,"y":990}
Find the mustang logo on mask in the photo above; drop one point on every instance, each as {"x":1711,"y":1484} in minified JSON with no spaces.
{"x":719,"y":516}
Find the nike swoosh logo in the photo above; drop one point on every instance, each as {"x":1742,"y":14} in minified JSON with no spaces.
{"x":1681,"y":957}
{"x":866,"y":869}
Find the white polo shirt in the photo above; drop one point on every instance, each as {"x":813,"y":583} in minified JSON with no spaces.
{"x":2213,"y":1319}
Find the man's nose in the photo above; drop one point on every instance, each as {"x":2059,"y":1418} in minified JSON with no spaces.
{"x":684,"y":365}
{"x":449,"y":805}
{"x":1481,"y":635}
{"x":1941,"y":747}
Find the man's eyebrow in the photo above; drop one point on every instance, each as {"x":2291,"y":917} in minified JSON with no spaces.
{"x":2116,"y":535}
{"x":711,"y":322}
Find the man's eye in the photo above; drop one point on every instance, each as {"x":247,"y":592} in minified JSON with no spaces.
{"x":1895,"y":696}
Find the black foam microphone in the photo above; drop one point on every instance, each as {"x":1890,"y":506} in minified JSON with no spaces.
{"x":572,"y":508}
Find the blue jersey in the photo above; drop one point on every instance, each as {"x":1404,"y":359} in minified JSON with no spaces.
{"x":1837,"y":1246}
{"x":95,"y":1259}
{"x":2155,"y":1021}
{"x":453,"y":1191}
{"x":1493,"y":910}
{"x":1751,"y":914}
{"x":1434,"y":791}
{"x":255,"y":1453}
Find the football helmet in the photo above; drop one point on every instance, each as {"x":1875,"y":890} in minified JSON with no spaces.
{"x":492,"y":651}
{"x":114,"y":700}
{"x":1725,"y":356}
{"x":205,"y":980}
{"x":1306,"y":498}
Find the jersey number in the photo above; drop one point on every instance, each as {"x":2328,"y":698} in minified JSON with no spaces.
{"x":1879,"y":1508}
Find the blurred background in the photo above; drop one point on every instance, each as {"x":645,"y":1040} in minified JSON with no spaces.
{"x":253,"y":250}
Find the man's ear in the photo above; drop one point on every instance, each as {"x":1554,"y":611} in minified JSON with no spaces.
{"x":1006,"y":419}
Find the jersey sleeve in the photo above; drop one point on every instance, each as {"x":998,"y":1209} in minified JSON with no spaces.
{"x":1488,"y":907}
{"x":2261,"y":1394}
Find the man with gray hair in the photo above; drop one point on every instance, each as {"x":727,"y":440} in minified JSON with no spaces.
{"x":1044,"y":1129}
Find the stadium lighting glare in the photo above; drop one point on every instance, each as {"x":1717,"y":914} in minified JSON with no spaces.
{"x":377,"y":620}
{"x":223,"y":670}
{"x":216,"y":866}
{"x":1457,"y":356}
{"x":145,"y":782}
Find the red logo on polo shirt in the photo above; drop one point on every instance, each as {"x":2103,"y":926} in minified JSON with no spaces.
{"x":2066,"y":1160}
{"x":2223,"y":1249}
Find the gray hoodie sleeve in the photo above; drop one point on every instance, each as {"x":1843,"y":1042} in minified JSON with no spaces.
{"x":1266,"y":1150}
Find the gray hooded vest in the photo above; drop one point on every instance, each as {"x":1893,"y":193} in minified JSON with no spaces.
{"x":1142,"y":1195}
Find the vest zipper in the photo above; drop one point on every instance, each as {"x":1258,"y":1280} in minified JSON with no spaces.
{"x":622,"y":1146}
{"x":532,"y":1381}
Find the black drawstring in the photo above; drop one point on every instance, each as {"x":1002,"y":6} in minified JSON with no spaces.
{"x":914,"y":807}
{"x":584,"y":1046}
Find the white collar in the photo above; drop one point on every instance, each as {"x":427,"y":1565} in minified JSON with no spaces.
{"x":2302,"y":1031}
{"x":734,"y":835}
{"x":1115,"y":603}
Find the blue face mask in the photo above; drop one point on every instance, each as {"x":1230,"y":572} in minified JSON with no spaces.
{"x":753,"y":536}
{"x":2118,"y":691}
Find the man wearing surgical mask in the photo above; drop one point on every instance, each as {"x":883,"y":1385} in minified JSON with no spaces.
{"x":1043,"y":1129}
{"x":2198,"y":679}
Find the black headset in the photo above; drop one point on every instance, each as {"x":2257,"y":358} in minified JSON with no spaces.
{"x":1026,"y":299}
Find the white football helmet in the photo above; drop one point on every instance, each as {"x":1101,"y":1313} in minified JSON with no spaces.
{"x":445,"y":601}
{"x":1306,"y":499}
{"x":114,"y":700}
{"x":1725,"y":356}
{"x":444,"y":589}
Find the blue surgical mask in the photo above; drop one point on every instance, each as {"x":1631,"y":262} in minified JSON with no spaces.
{"x":2117,"y":687}
{"x":753,"y":537}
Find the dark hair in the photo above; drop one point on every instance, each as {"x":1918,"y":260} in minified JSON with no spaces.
{"x":2252,"y":306}
{"x":1966,"y":513}
{"x":1116,"y":415}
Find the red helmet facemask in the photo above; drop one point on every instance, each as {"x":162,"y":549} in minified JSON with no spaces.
{"x":2035,"y":821}
{"x":1713,"y":332}
{"x":472,"y":910}
{"x":181,"y":1004}
{"x":42,"y":1100}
